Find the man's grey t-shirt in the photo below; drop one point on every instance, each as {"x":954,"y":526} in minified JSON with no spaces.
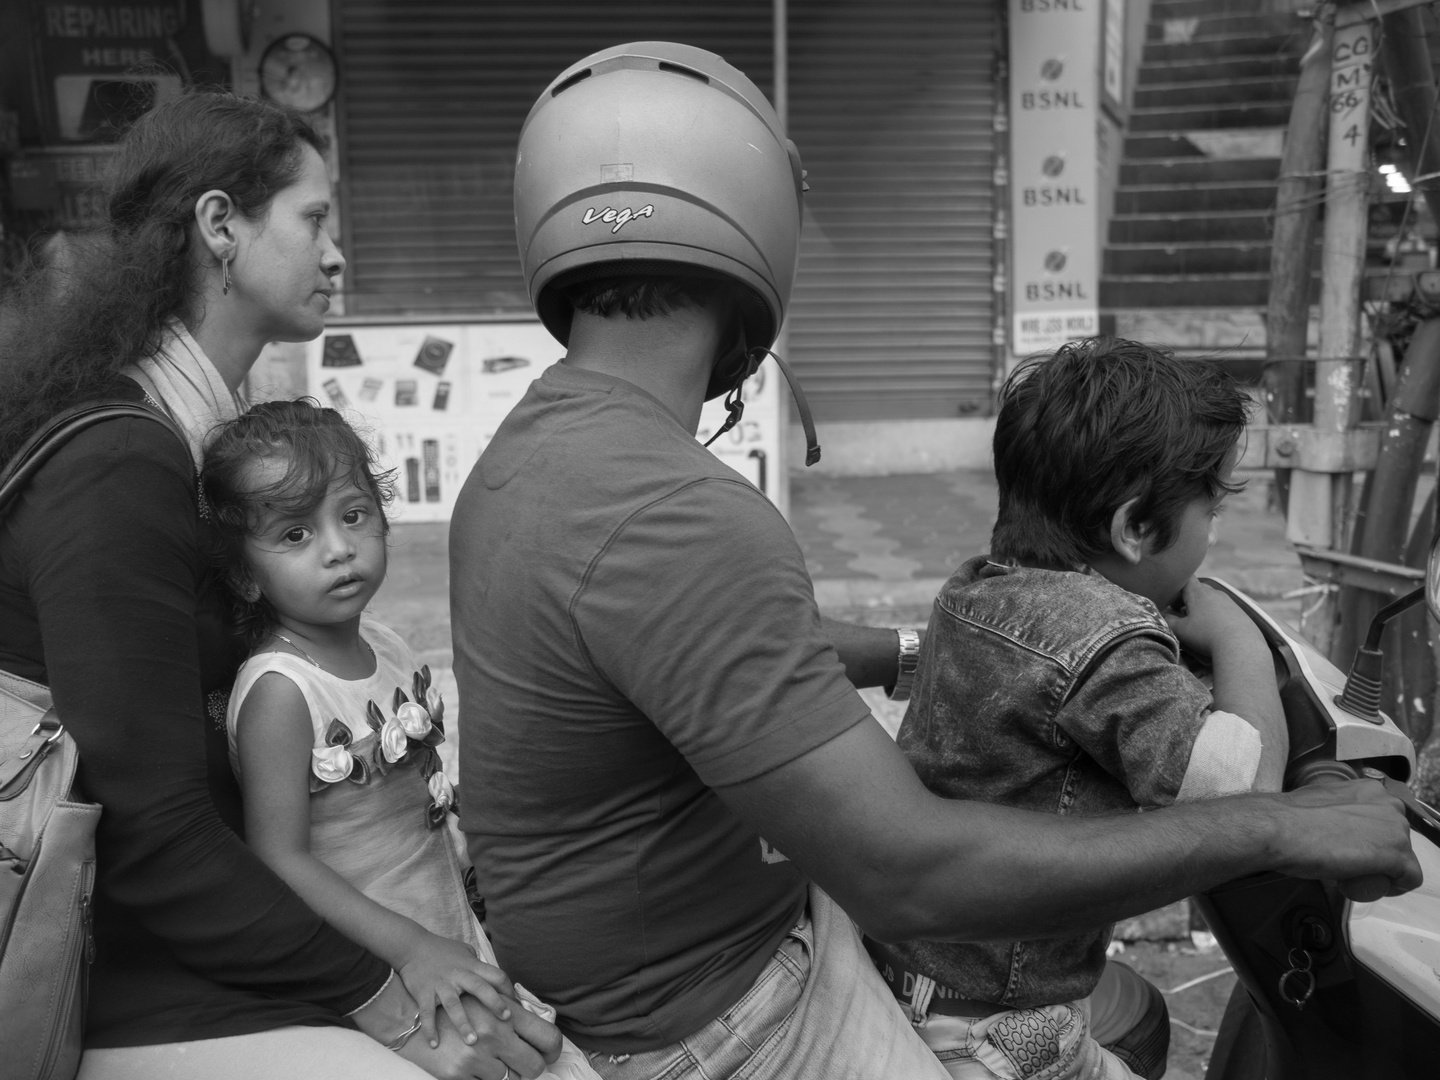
{"x":633,"y":627}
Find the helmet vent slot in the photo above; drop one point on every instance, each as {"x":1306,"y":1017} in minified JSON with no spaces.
{"x":579,"y":76}
{"x":676,"y":69}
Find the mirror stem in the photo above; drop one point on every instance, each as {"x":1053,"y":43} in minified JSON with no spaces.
{"x":1362,"y":687}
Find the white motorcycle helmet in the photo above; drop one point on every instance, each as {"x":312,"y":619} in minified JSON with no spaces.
{"x":655,"y":158}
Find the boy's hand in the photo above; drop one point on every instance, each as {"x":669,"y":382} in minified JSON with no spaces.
{"x":440,"y":970}
{"x":1209,"y":618}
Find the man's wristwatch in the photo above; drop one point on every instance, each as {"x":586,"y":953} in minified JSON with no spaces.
{"x":906,"y":665}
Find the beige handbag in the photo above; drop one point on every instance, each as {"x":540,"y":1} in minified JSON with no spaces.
{"x":47,"y":876}
{"x":47,"y":837}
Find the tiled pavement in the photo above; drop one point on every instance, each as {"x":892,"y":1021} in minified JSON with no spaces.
{"x":891,"y":527}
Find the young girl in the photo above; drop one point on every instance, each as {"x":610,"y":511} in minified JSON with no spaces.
{"x":332,"y":728}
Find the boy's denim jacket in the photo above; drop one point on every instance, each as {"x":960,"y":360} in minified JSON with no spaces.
{"x":1053,"y":691}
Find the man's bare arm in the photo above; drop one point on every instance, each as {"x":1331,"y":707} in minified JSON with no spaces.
{"x":871,"y":654}
{"x":907,"y":864}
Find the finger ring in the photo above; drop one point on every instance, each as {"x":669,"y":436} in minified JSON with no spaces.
{"x":507,"y":1073}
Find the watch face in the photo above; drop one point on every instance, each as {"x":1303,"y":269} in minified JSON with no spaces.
{"x":298,"y":71}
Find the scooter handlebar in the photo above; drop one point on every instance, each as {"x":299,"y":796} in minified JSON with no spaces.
{"x":1371,"y":887}
{"x":1319,"y":771}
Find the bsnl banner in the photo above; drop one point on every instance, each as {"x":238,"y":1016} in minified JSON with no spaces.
{"x":1054,"y":50}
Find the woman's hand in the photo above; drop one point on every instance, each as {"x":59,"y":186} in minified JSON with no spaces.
{"x":438,"y":969}
{"x":521,"y":1046}
{"x":388,"y":1013}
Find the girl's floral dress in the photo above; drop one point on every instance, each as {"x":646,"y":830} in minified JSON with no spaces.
{"x":378,"y":796}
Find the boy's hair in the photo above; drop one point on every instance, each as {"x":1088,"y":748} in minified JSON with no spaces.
{"x":319,"y":447}
{"x":1100,"y":422}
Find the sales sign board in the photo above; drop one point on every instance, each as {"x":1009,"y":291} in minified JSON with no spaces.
{"x":104,"y":63}
{"x":429,"y":398}
{"x":1054,"y":51}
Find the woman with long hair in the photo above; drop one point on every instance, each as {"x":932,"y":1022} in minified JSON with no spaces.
{"x":206,"y":963}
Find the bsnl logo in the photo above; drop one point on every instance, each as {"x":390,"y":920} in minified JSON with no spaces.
{"x":619,"y":218}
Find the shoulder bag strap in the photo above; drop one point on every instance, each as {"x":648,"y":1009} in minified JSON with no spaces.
{"x":62,"y":427}
{"x":17,"y":768}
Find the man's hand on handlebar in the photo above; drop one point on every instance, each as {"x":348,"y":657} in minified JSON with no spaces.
{"x":1353,"y":832}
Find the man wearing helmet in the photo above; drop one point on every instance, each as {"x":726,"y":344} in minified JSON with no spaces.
{"x":649,"y":690}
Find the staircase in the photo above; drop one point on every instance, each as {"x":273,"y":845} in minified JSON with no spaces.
{"x":1187,"y":257}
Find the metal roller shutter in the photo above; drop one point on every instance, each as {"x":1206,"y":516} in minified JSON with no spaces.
{"x":432,"y":98}
{"x":892,"y":106}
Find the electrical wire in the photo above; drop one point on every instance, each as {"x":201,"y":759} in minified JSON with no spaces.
{"x":1193,"y":1030}
{"x":1375,"y":316}
{"x":1414,"y":184}
{"x":1227,"y":970}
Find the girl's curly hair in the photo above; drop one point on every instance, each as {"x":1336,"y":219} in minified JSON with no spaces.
{"x":319,"y":449}
{"x":100,"y":300}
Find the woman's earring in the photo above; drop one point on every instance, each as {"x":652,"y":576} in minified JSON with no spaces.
{"x":225,"y":269}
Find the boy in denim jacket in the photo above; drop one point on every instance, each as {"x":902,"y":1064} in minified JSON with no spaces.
{"x":1050,"y":676}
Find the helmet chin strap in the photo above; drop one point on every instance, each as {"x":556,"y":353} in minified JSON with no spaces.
{"x":735,"y":404}
{"x":734,"y":407}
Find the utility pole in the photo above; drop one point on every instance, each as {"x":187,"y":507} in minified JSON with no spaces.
{"x":1383,"y":531}
{"x":1320,"y":502}
{"x":1297,"y":208}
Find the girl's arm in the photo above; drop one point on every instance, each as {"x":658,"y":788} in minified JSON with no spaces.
{"x":275,"y":736}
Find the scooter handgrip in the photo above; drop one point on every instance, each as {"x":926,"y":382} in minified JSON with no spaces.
{"x":1367,"y":889}
{"x":1318,"y":771}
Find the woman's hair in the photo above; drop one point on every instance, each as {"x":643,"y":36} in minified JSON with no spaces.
{"x":1101,"y":422}
{"x":96,"y":302}
{"x":320,"y":450}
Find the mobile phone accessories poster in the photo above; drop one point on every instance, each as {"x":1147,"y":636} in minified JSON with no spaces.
{"x":429,"y":398}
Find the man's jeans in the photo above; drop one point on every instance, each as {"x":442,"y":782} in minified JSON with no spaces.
{"x":818,"y":1011}
{"x":1050,"y":1042}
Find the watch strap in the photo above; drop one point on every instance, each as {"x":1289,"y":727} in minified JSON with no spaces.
{"x":906,"y":665}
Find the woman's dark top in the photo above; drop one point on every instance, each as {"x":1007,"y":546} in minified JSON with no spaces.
{"x":106,"y":597}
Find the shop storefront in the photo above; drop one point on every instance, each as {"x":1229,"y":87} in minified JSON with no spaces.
{"x":892,"y":102}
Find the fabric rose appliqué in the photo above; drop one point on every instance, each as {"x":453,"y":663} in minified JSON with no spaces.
{"x":333,"y":761}
{"x":442,"y":791}
{"x":393,"y":742}
{"x":414,"y":720}
{"x":409,"y":737}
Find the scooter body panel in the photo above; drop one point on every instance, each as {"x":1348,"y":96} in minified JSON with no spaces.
{"x":1356,"y":1024}
{"x":1398,"y":938}
{"x":1309,"y":675}
{"x":1367,"y":1002}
